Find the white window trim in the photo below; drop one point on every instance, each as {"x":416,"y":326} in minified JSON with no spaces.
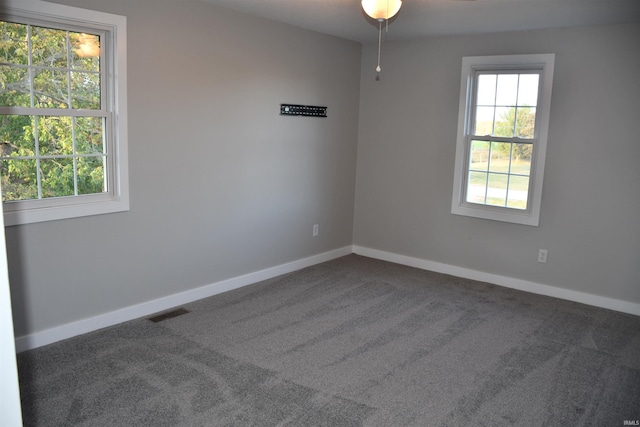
{"x":117,"y":199}
{"x":469,"y":65}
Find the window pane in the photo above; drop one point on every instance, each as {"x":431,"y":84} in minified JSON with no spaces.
{"x":13,"y":43}
{"x":85,"y":51}
{"x":54,"y":136}
{"x":57,"y":139}
{"x":500,"y":157}
{"x":497,"y":189}
{"x":57,"y":177}
{"x":518,"y":192}
{"x":49,"y":47}
{"x":85,"y":90}
{"x":507,"y":89}
{"x":486,"y":89}
{"x":50,"y":89}
{"x":14,"y":87}
{"x":505,"y":121}
{"x":526,"y":122}
{"x":16,"y":136}
{"x":18,"y":179}
{"x":89,"y":135}
{"x":91,"y":178}
{"x":479,"y":159}
{"x":528,"y":90}
{"x":521,"y":162}
{"x":476,"y":187}
{"x":484,"y":121}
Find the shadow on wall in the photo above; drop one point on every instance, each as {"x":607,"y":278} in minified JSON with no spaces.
{"x":17,"y":279}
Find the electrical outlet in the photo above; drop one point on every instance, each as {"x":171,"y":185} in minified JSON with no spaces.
{"x":315,"y":230}
{"x":542,"y":255}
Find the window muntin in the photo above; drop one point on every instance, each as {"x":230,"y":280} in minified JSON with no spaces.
{"x":63,"y":139}
{"x":502,"y":134}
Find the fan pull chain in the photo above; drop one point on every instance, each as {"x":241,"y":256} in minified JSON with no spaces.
{"x":378,"y":69}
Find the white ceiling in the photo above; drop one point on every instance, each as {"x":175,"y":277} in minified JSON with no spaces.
{"x":424,"y":18}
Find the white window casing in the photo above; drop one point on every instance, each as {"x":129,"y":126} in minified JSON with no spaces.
{"x":472,"y":67}
{"x":113,"y":38}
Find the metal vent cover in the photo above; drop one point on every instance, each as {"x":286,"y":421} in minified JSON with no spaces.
{"x":168,"y":315}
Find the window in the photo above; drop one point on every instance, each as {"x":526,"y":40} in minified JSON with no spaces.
{"x":63,"y":136}
{"x":502,"y":137}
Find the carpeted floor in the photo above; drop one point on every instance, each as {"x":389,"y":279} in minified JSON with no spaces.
{"x":350,"y":342}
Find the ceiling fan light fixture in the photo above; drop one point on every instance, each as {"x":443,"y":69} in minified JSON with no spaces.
{"x":381,"y":10}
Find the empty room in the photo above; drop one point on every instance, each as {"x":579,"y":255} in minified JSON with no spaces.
{"x":320,"y":213}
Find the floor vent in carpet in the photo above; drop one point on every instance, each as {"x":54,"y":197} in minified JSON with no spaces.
{"x":168,"y":315}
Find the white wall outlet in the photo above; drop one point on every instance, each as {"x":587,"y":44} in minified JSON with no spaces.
{"x":315,"y":230}
{"x":542,"y":255}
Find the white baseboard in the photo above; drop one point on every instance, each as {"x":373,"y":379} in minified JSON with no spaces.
{"x":84,"y":326}
{"x":507,"y":282}
{"x":58,"y":333}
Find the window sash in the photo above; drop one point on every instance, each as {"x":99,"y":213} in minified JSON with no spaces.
{"x":468,"y":171}
{"x":491,"y":138}
{"x":34,"y":112}
{"x":480,"y":71}
{"x":106,"y":154}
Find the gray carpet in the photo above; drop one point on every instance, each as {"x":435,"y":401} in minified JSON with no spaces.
{"x":350,"y":342}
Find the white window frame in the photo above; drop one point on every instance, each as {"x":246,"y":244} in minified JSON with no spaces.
{"x":114,"y":29}
{"x":502,"y":63}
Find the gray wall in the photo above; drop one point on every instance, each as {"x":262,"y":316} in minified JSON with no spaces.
{"x":591,"y":196}
{"x":221,"y":184}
